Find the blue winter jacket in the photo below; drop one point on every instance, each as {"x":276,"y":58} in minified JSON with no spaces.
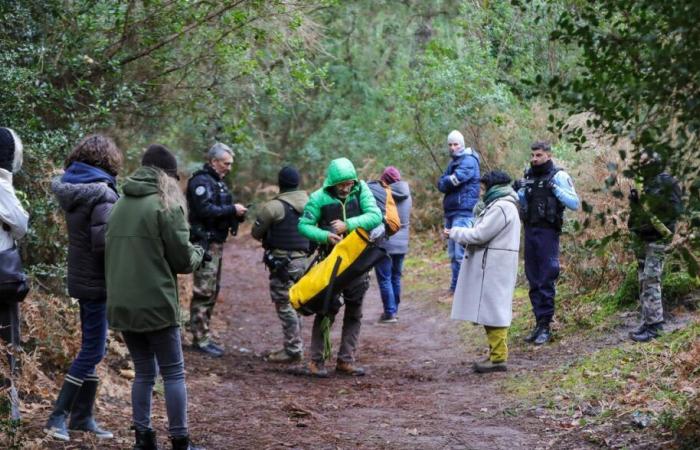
{"x":460,"y":184}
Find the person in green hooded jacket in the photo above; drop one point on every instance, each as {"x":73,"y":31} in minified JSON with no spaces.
{"x":147,"y":246}
{"x":343,"y":204}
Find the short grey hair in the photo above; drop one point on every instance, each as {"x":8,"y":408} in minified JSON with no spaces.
{"x":217,"y":151}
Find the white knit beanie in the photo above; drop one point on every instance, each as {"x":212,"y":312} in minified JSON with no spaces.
{"x":456,"y":137}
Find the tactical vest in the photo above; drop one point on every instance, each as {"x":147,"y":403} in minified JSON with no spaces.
{"x":213,"y":228}
{"x":284,"y":235}
{"x":543,"y":208}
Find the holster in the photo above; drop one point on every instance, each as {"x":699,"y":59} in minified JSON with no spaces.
{"x":277,"y":265}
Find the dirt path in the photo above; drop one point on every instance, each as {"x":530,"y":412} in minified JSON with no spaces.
{"x":419,"y":392}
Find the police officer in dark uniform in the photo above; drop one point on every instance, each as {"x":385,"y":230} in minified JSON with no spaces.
{"x":212,"y":215}
{"x":544,"y":193}
{"x":286,"y":257}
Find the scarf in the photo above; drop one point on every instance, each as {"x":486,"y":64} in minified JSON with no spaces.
{"x":81,"y":173}
{"x":497,"y":191}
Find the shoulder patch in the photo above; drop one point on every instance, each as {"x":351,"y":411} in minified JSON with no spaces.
{"x":200,"y":190}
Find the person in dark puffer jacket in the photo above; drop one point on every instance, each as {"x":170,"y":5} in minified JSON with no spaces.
{"x":86,"y":192}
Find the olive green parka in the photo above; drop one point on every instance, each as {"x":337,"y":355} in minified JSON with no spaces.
{"x":147,"y":246}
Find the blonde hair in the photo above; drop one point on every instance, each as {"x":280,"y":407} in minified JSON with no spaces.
{"x":169,"y":191}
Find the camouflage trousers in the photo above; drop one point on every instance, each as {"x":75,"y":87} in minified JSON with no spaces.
{"x":205,"y":290}
{"x":650,"y":264}
{"x":279,"y":292}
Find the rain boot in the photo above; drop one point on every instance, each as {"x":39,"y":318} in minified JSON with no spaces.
{"x":81,"y":417}
{"x":183,"y":443}
{"x":145,"y":440}
{"x":56,"y":425}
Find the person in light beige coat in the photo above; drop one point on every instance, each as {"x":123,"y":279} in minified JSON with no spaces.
{"x":488,"y":272}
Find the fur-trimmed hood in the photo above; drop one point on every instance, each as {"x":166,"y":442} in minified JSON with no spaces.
{"x":71,"y":195}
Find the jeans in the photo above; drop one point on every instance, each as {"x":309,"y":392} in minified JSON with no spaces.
{"x":542,"y":270}
{"x":93,"y":324}
{"x":151,"y":351}
{"x":388,"y":272}
{"x":455,"y":250}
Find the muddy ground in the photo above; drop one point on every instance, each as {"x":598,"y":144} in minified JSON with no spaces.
{"x":420,"y":391}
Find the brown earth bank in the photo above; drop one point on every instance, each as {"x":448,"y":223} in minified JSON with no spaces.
{"x":420,"y":391}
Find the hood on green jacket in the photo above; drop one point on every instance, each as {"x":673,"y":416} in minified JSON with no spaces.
{"x":339,"y":170}
{"x":144,"y":181}
{"x":297,"y":199}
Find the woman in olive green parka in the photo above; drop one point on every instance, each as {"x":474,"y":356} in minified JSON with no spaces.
{"x":147,"y":246}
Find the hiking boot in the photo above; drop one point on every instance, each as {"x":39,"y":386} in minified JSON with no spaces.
{"x":388,"y":318}
{"x":209,"y":349}
{"x":347,"y":368}
{"x":533,"y":334}
{"x":544,"y":336}
{"x":82,"y":417}
{"x":489,"y":366}
{"x":311,"y":369}
{"x":145,"y":440}
{"x":216,"y":346}
{"x":646,"y":333}
{"x":281,"y":356}
{"x":447,"y":298}
{"x":183,"y":443}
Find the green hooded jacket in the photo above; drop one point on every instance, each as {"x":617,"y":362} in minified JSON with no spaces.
{"x":339,"y":170}
{"x":147,"y":246}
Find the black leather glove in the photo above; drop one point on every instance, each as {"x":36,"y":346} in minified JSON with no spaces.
{"x":206,"y":257}
{"x":517,"y":184}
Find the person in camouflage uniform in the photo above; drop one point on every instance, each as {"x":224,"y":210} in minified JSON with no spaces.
{"x":652,"y":221}
{"x":286,"y":257}
{"x":212,"y":215}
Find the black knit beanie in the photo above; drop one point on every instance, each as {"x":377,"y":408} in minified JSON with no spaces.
{"x":494,"y":178}
{"x":7,"y":149}
{"x":288,"y":178}
{"x":159,"y":156}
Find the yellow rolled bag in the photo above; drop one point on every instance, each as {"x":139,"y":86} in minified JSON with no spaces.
{"x":317,"y":291}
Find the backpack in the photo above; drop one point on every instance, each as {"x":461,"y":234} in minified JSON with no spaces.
{"x":392,"y":223}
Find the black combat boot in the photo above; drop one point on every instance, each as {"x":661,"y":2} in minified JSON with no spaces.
{"x":646,"y":333}
{"x":544,"y":336}
{"x":533,"y":334}
{"x":81,"y":417}
{"x":56,"y":425}
{"x":183,"y":443}
{"x":145,"y":440}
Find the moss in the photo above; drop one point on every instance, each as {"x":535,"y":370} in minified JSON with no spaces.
{"x":676,"y":285}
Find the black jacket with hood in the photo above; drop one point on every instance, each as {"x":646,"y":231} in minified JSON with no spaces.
{"x":87,"y":208}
